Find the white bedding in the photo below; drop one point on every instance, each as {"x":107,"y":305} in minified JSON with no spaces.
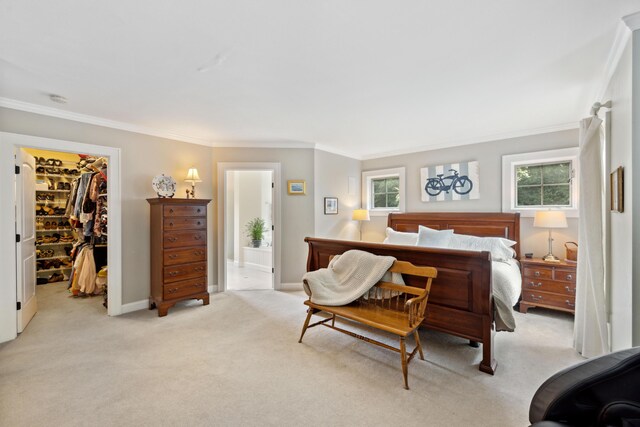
{"x":507,"y":284}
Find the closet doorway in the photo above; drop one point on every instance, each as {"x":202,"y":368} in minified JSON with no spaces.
{"x":250,"y":234}
{"x":65,"y":228}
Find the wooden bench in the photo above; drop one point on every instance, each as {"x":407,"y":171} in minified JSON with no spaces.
{"x":388,"y":307}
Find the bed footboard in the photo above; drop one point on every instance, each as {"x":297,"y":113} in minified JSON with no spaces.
{"x":460,"y":302}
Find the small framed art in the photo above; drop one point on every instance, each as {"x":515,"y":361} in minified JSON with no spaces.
{"x":617,"y":190}
{"x":330,"y":205}
{"x":296,"y":187}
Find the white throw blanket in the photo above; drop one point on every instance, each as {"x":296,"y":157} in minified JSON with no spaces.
{"x":347,"y":277}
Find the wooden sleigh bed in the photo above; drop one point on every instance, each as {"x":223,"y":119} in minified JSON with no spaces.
{"x":461,"y":299}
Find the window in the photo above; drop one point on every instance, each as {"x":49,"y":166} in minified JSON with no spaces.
{"x":541,"y":180}
{"x":383,"y":191}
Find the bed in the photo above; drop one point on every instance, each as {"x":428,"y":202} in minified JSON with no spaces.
{"x":461,"y":301}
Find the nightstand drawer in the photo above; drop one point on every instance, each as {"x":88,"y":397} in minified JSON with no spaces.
{"x":548,"y":299}
{"x":538,"y":272}
{"x":565,"y":275}
{"x":184,"y":288}
{"x":564,"y":288}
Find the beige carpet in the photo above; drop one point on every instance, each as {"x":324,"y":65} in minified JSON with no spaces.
{"x":237,"y":362}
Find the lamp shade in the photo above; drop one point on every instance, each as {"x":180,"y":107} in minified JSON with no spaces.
{"x":192,"y":176}
{"x":550,"y":219}
{"x":360,"y":215}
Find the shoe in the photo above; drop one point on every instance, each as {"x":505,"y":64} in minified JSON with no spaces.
{"x":42,"y":281}
{"x":67,"y":186}
{"x":56,"y":277}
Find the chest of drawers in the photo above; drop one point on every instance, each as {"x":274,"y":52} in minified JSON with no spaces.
{"x":549,"y":285}
{"x":178,"y":252}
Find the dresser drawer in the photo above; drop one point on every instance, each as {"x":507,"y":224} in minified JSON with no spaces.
{"x":185,"y":223}
{"x":184,"y":288}
{"x":180,"y":239}
{"x":565,"y":275}
{"x":173,"y":211}
{"x":183,"y":256}
{"x":184,"y":271}
{"x":538,"y":273}
{"x":553,"y":300}
{"x":563,"y":288}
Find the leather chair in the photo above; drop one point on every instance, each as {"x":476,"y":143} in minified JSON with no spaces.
{"x":604,"y":391}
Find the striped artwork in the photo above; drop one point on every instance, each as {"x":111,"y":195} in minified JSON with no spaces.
{"x":451,"y":181}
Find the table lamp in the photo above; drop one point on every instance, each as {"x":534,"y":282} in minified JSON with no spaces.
{"x":192,"y":177}
{"x":550,"y":219}
{"x":360,"y":215}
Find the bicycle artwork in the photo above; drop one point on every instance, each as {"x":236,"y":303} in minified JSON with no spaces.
{"x":451,"y":184}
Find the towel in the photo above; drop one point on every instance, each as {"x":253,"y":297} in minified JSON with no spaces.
{"x":347,"y":277}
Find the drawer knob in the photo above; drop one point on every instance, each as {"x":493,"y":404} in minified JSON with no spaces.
{"x":199,"y":210}
{"x":172,"y":239}
{"x":173,"y":256}
{"x":170,"y":224}
{"x":170,"y":210}
{"x":536,"y":297}
{"x":199,"y":222}
{"x":569,"y":303}
{"x":537,"y":274}
{"x":198,"y":237}
{"x":568,"y":289}
{"x":569,"y":276}
{"x":535,"y":285}
{"x":173,"y":273}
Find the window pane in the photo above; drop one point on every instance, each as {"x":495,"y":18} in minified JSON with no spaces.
{"x":529,"y":175}
{"x":393,"y":200}
{"x":380,"y":201}
{"x":378,"y":185}
{"x":557,"y":195}
{"x":558,"y":173}
{"x":393,"y":184}
{"x":529,"y":196}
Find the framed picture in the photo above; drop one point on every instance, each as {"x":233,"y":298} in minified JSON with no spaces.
{"x":617,"y":190}
{"x":296,"y":187}
{"x":330,"y":205}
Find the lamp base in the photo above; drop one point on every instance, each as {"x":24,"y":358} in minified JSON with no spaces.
{"x":550,"y":258}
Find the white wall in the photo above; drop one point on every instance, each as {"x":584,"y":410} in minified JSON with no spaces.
{"x":332,"y":175}
{"x":489,"y":155}
{"x":621,"y":254}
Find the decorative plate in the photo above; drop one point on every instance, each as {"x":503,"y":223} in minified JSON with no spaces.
{"x":164,"y":186}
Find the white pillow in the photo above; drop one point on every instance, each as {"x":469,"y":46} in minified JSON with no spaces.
{"x":500,"y":248}
{"x":430,"y":238}
{"x":400,"y":238}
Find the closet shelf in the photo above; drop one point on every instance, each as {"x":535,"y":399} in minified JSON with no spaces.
{"x":54,"y":244}
{"x":53,"y":257}
{"x":51,"y":230}
{"x":53,"y":191}
{"x":55,"y":175}
{"x":51,"y":216}
{"x":49,"y":270}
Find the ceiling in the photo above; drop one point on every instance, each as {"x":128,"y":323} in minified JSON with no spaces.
{"x":362,"y":77}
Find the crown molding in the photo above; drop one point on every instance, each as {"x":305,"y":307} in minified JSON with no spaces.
{"x":326,"y":148}
{"x":632,"y":21}
{"x":480,"y":140}
{"x":98,"y":121}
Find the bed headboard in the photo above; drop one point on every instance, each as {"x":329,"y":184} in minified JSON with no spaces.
{"x":479,"y":224}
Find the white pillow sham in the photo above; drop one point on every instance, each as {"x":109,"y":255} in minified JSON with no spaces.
{"x":430,"y":238}
{"x":400,"y":238}
{"x":500,"y":248}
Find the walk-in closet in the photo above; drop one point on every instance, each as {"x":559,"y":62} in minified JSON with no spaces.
{"x":71,"y":223}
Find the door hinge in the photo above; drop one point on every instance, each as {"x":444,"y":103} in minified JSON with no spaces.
{"x":273,"y":270}
{"x":17,"y":238}
{"x":273,"y":185}
{"x":273,"y":228}
{"x":17,"y":170}
{"x":19,"y":305}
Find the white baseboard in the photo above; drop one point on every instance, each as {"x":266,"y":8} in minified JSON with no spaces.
{"x":259,"y":267}
{"x":135,"y":306}
{"x":297,"y":286}
{"x":212,"y":289}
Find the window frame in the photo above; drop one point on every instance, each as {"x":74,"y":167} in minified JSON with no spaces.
{"x":367,"y":193}
{"x":509,"y":183}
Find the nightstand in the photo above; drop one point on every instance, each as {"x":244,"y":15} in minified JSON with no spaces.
{"x":549,"y":285}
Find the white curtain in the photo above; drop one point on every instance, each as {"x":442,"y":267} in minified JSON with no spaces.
{"x":590,"y":332}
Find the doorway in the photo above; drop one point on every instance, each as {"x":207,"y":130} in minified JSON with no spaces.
{"x":39,"y":216}
{"x":249,"y":224}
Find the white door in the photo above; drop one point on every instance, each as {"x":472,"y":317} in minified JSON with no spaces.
{"x":26,"y":229}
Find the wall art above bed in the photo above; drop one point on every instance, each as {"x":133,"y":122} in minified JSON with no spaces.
{"x":450,"y":181}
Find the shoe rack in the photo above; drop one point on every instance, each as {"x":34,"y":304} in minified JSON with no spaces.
{"x":54,"y":234}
